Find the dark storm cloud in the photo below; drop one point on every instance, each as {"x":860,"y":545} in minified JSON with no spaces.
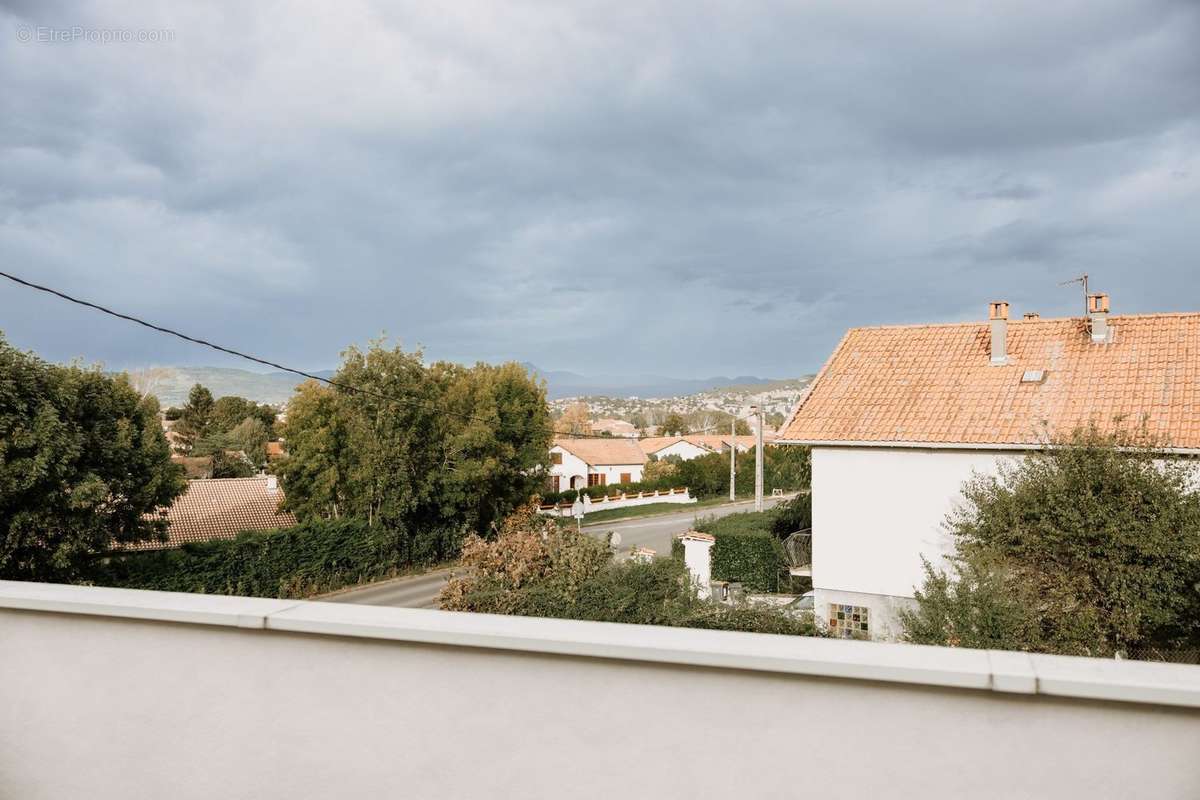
{"x":657,"y":187}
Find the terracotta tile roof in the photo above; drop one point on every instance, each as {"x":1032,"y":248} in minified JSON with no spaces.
{"x":220,"y":508}
{"x":717,"y":442}
{"x":617,"y":427}
{"x":713,"y":442}
{"x":935,"y":383}
{"x":275,"y":450}
{"x":604,"y":451}
{"x":652,"y":444}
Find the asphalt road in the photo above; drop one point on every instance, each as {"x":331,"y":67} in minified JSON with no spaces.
{"x":420,"y":591}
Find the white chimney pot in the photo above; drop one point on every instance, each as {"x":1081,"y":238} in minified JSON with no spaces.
{"x":698,"y":558}
{"x":1098,"y":314}
{"x":998,"y":316}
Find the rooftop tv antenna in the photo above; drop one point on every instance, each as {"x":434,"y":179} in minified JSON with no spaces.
{"x":1083,"y":279}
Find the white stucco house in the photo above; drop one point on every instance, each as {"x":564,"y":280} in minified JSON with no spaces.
{"x":900,"y":417}
{"x":578,"y":463}
{"x":689,"y":446}
{"x":664,"y":446}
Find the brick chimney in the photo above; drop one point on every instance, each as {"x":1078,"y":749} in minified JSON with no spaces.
{"x":998,"y":315}
{"x":1098,"y":314}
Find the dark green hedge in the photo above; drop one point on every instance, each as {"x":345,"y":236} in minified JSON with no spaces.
{"x":746,"y":549}
{"x":300,"y":561}
{"x":554,"y":498}
{"x":754,"y":559}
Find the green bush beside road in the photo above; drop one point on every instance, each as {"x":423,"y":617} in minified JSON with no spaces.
{"x":310,"y":558}
{"x":749,"y":546}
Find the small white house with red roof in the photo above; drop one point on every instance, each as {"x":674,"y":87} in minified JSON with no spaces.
{"x":599,"y":461}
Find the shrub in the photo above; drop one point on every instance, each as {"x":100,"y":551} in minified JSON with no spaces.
{"x":631,"y":592}
{"x":1091,"y":547}
{"x":536,"y":569}
{"x":528,"y":549}
{"x":554,"y":498}
{"x":792,"y":516}
{"x":746,"y":549}
{"x":306,"y":559}
{"x":754,"y":559}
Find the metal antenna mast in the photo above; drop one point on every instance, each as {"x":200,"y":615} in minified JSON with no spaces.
{"x":1083,"y":279}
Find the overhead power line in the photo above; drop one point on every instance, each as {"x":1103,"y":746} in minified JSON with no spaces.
{"x":256,"y":359}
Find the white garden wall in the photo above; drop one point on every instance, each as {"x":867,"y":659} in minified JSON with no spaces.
{"x":122,"y":694}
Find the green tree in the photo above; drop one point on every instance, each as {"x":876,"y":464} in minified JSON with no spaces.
{"x":1096,"y":540}
{"x":83,"y":460}
{"x":250,"y":436}
{"x":316,"y":470}
{"x":230,"y":411}
{"x":231,"y":464}
{"x":418,"y":446}
{"x":673,"y":425}
{"x":576,"y":420}
{"x":195,"y":419}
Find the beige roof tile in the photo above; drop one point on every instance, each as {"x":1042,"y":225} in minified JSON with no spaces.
{"x":935,"y":383}
{"x":221,"y":508}
{"x":714,"y":442}
{"x":604,"y":451}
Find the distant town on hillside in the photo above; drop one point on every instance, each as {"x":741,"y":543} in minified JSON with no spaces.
{"x":609,"y":395}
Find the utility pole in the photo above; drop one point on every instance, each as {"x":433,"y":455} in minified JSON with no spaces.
{"x":758,"y":458}
{"x":732,"y":458}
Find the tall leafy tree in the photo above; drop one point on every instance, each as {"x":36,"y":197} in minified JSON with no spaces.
{"x":83,"y":460}
{"x":195,"y":419}
{"x":418,"y":445}
{"x":316,"y":471}
{"x":230,"y":411}
{"x":1091,"y":547}
{"x":576,"y":420}
{"x":673,"y":425}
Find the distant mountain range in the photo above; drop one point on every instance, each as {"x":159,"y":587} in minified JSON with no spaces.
{"x":570,"y":384}
{"x":171,"y":384}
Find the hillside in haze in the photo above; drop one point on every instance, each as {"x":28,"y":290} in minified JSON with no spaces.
{"x":171,"y":384}
{"x":561,"y":384}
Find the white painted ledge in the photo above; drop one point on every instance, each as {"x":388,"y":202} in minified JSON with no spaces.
{"x":1084,"y":678}
{"x":201,"y":609}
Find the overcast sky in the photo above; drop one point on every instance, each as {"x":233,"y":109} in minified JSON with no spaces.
{"x":685,"y":188}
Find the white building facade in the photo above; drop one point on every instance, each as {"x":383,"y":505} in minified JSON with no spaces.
{"x":901,"y":417}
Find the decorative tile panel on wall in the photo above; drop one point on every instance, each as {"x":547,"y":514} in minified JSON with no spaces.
{"x":849,"y":622}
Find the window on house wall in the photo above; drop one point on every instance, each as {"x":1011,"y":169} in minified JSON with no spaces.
{"x":597,"y":479}
{"x":849,"y":622}
{"x":626,"y":477}
{"x":556,"y":458}
{"x":555,"y":483}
